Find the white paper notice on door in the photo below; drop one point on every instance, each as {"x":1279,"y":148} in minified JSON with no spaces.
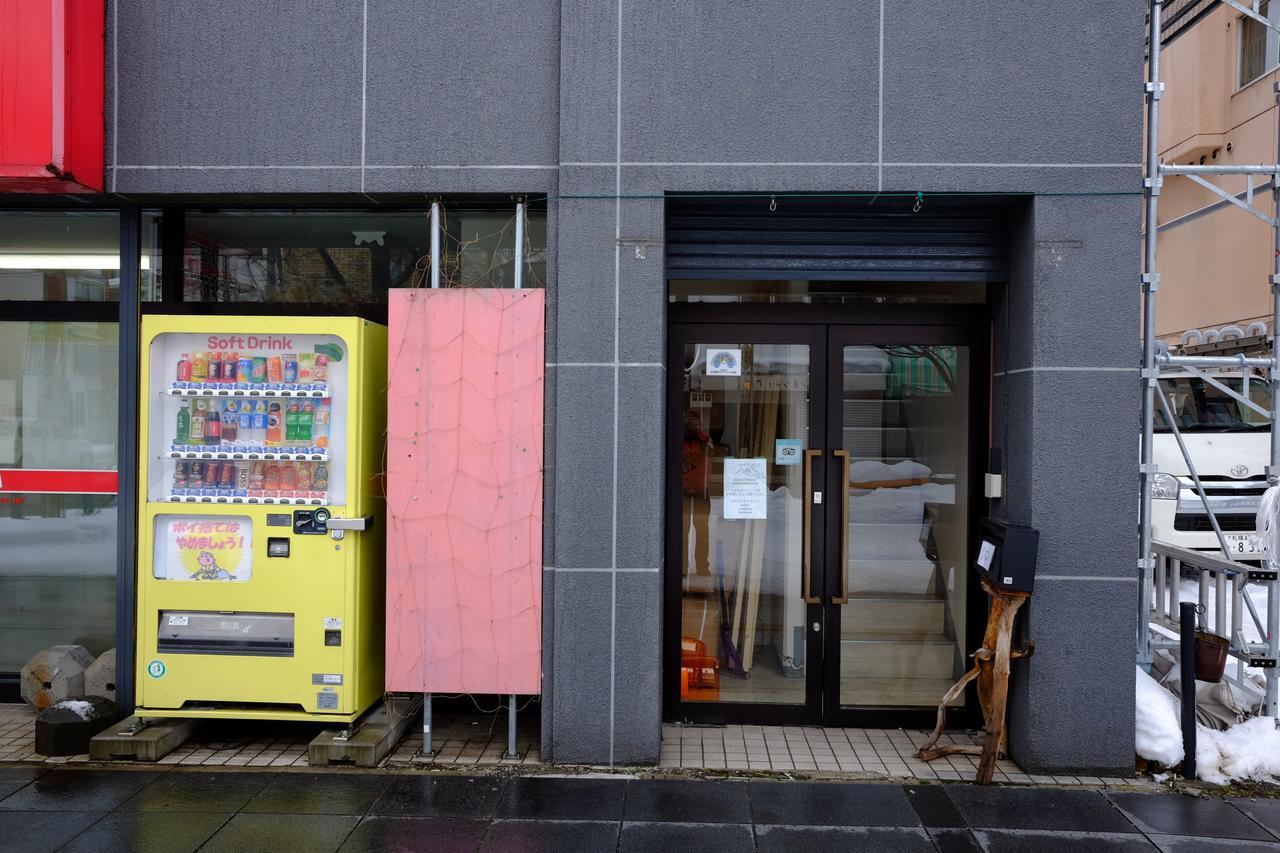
{"x":745,"y":488}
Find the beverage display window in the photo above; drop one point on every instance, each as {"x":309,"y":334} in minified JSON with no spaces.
{"x":248,"y":418}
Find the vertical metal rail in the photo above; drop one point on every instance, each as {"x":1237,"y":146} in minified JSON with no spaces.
{"x":518,"y":275}
{"x":435,"y":244}
{"x":1150,"y":283}
{"x":1271,"y":706}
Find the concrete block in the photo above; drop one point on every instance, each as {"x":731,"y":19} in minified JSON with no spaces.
{"x":66,"y":727}
{"x":136,"y":739}
{"x":100,"y":677}
{"x":54,"y":674}
{"x":583,"y":643}
{"x":637,"y":687}
{"x":641,"y":408}
{"x":369,"y":740}
{"x":584,"y":466}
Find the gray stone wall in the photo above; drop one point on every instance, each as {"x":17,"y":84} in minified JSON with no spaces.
{"x":606,"y":107}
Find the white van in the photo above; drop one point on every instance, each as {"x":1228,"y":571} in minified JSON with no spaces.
{"x":1230,"y":445}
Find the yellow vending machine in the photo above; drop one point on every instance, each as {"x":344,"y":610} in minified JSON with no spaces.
{"x":260,"y":548}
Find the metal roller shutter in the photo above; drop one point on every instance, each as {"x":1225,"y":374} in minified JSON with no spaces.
{"x":834,"y":238}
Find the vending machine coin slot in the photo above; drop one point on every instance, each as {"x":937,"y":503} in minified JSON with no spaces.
{"x":311,"y":522}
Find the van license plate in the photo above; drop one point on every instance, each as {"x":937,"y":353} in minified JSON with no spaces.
{"x":1243,"y":543}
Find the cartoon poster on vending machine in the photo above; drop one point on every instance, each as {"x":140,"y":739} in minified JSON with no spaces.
{"x":204,"y":548}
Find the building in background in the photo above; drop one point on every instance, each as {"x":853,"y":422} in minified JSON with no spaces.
{"x":1219,"y":107}
{"x":776,"y":238}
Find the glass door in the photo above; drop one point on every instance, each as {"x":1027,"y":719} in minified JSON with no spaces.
{"x":747,"y":541}
{"x":899,"y":418}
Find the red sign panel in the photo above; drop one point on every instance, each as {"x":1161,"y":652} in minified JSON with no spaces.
{"x":51,"y":95}
{"x":50,"y":481}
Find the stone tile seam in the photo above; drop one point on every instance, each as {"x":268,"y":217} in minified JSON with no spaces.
{"x":821,"y":163}
{"x":364,"y":86}
{"x":1099,"y":578}
{"x":329,"y":166}
{"x":115,"y":89}
{"x":1018,"y":370}
{"x":657,"y":364}
{"x":880,"y":108}
{"x":648,"y":570}
{"x":617,"y":373}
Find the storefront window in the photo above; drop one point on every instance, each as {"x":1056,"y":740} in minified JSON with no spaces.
{"x":58,"y":410}
{"x":64,"y":256}
{"x":349,"y":257}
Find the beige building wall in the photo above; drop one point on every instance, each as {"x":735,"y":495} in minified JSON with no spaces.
{"x":1214,"y":264}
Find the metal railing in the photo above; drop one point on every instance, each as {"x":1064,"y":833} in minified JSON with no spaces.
{"x":1223,"y":604}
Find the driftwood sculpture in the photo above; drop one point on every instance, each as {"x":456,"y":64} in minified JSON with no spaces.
{"x":991,"y":669}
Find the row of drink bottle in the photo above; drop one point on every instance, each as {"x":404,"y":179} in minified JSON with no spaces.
{"x":222,"y":367}
{"x":246,"y":424}
{"x":251,"y":479}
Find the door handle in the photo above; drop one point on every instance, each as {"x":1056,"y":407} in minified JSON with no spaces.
{"x":338,"y":526}
{"x":806,"y":590}
{"x":843,"y":597}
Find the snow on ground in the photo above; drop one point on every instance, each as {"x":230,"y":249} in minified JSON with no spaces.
{"x":1246,"y":751}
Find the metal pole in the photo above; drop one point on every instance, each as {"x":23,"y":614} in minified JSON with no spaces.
{"x":1150,"y":281}
{"x":1187,"y":652}
{"x":1195,"y":475}
{"x":1271,"y":707}
{"x":435,"y":244}
{"x":518,"y":278}
{"x":427,"y":749}
{"x":511,"y":727}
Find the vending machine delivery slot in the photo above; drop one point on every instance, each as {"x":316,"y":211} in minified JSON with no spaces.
{"x":261,"y":435}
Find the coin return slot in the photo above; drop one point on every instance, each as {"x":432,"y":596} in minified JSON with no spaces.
{"x":277,"y":547}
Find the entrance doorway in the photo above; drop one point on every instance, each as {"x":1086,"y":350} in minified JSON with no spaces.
{"x":823,"y":462}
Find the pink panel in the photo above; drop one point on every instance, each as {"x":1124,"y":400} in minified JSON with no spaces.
{"x":464,"y":491}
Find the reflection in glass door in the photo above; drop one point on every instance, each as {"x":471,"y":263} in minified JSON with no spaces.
{"x":746,"y":424}
{"x":900,"y":579}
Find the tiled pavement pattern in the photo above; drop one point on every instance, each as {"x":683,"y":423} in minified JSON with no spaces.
{"x":458,"y":739}
{"x":184,"y":809}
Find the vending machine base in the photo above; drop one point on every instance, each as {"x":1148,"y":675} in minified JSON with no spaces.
{"x":261,"y":552}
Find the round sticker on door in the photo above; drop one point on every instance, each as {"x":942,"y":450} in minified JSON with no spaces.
{"x":156,"y":669}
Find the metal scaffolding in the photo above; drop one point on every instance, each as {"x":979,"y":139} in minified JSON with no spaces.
{"x":1162,"y":585}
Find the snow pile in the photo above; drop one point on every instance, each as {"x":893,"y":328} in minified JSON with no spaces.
{"x":1249,"y":750}
{"x":1159,"y":734}
{"x":79,"y":707}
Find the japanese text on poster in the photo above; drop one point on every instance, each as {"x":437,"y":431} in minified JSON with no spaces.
{"x":745,"y":488}
{"x":209,"y":548}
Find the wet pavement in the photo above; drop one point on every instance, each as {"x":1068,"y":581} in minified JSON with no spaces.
{"x":177,"y":809}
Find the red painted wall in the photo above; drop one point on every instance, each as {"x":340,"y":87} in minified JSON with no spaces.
{"x":51,"y":95}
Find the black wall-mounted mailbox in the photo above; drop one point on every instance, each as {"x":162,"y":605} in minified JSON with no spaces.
{"x":1007,"y":554}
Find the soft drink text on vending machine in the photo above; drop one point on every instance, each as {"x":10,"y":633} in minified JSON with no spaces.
{"x":250,"y":342}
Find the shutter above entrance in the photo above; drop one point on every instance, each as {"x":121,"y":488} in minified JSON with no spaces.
{"x":832,"y":238}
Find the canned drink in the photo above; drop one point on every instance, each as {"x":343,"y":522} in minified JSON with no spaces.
{"x":304,"y":476}
{"x":273,"y":477}
{"x":306,"y":366}
{"x":227,"y":476}
{"x":244,"y":369}
{"x":242,"y":476}
{"x":274,"y":370}
{"x":320,"y":477}
{"x":257,"y":476}
{"x":290,"y":368}
{"x":195,"y":477}
{"x":215,"y":367}
{"x":321,"y":371}
{"x":259,"y":370}
{"x":230,"y":366}
{"x":289,"y":477}
{"x":181,"y":474}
